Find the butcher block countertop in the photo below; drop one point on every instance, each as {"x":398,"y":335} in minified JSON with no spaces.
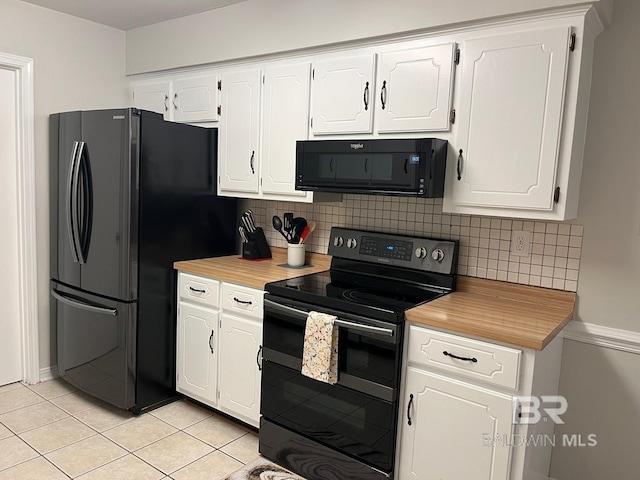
{"x":520,"y":315}
{"x":253,"y":273}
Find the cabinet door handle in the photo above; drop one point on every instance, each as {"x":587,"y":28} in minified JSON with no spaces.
{"x":211,"y":341}
{"x":465,"y":359}
{"x":259,"y":359}
{"x":383,"y":94}
{"x":366,"y":96}
{"x":459,"y":166}
{"x":253,"y":154}
{"x":166,"y":106}
{"x":175,"y":97}
{"x":242,"y":302}
{"x":197,"y":290}
{"x":409,"y":409}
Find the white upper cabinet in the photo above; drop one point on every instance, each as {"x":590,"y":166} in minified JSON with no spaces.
{"x":285,"y":119}
{"x":196,"y":99}
{"x":522,"y":91}
{"x":342,"y":95}
{"x":183,"y":99}
{"x":155,"y":97}
{"x":415,"y":89}
{"x":511,"y":103}
{"x":239,"y":134}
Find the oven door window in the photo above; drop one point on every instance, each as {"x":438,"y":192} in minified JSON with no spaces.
{"x":355,"y":423}
{"x":366,"y":361}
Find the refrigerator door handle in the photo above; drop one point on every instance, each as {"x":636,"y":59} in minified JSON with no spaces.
{"x":71,"y":202}
{"x":75,"y":200}
{"x":84,"y":228}
{"x":84,"y":306}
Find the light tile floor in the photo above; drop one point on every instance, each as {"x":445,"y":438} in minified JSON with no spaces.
{"x":49,"y":431}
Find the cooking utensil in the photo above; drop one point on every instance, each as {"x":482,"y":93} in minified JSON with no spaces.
{"x":288,"y":225}
{"x":252,"y":219}
{"x":277,"y":225}
{"x":311,"y":226}
{"x":298,"y":226}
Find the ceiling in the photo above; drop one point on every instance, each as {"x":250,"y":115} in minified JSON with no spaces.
{"x":128,"y":14}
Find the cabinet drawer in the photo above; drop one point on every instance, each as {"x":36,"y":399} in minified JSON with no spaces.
{"x":469,"y":358}
{"x":243,"y":300}
{"x":198,"y":289}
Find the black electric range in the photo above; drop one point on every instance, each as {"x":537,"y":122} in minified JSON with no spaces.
{"x":348,"y":429}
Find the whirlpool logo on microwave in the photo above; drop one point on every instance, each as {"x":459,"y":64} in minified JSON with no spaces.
{"x":357,"y":146}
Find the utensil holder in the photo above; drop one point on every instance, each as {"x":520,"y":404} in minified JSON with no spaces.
{"x":257,"y":246}
{"x":296,"y":254}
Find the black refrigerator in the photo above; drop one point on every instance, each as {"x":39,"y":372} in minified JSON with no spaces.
{"x":130,"y":194}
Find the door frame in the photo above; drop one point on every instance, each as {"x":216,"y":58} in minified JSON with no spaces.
{"x":26,"y":201}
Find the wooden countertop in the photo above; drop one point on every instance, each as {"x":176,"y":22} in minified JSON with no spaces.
{"x":520,"y":315}
{"x":253,"y":273}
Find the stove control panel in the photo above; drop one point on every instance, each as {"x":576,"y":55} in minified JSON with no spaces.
{"x":427,"y":254}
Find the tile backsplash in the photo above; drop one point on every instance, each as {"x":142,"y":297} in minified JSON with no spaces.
{"x":485,"y":242}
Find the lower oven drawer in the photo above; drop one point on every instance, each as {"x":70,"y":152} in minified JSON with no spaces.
{"x":356,"y":424}
{"x":467,"y":357}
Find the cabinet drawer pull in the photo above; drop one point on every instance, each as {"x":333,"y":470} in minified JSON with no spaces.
{"x":466,"y":359}
{"x":242,"y":302}
{"x":366,"y":96}
{"x":175,"y":97}
{"x":253,"y":154}
{"x":197,"y":290}
{"x":166,"y":107}
{"x":259,"y":359}
{"x":409,"y":409}
{"x":211,"y":341}
{"x":383,"y":94}
{"x":459,"y":166}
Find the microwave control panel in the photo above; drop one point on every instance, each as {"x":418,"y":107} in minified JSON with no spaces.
{"x":427,"y":254}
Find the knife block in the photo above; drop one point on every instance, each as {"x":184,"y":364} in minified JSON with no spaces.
{"x":257,"y":247}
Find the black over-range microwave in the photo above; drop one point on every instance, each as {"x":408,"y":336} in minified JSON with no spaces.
{"x":408,"y":167}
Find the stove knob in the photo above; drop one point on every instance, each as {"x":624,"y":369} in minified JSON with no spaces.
{"x":338,"y":241}
{"x":437,"y":255}
{"x":421,"y":252}
{"x":352,"y":243}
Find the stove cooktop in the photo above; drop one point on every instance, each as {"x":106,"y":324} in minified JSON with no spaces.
{"x":358,"y":294}
{"x":377,"y":275}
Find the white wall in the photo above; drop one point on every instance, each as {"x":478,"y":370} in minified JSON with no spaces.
{"x":258,"y":27}
{"x":601,"y":385}
{"x":77,"y":65}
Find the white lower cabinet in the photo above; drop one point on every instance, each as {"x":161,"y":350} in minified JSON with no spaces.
{"x":448,"y":422}
{"x":218,"y":356}
{"x":458,"y":414}
{"x":197,"y":355}
{"x":240,"y":368}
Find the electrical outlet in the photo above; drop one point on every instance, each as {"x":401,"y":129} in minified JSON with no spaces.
{"x":520,"y":243}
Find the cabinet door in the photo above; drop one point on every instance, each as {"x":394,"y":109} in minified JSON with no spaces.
{"x":239,"y":132}
{"x":285,"y":119}
{"x":415,"y":89}
{"x":510,"y":118}
{"x":342,"y":95}
{"x":240,"y":368}
{"x":154,"y":97}
{"x":457,"y":431}
{"x":196,"y":355}
{"x":196,"y":99}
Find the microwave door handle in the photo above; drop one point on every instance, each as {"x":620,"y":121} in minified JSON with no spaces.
{"x":301,"y":314}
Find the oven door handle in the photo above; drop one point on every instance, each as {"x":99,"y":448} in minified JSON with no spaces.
{"x":340,"y":323}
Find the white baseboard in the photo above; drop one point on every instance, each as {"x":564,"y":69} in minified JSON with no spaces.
{"x":48,"y":373}
{"x":615,"y":338}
